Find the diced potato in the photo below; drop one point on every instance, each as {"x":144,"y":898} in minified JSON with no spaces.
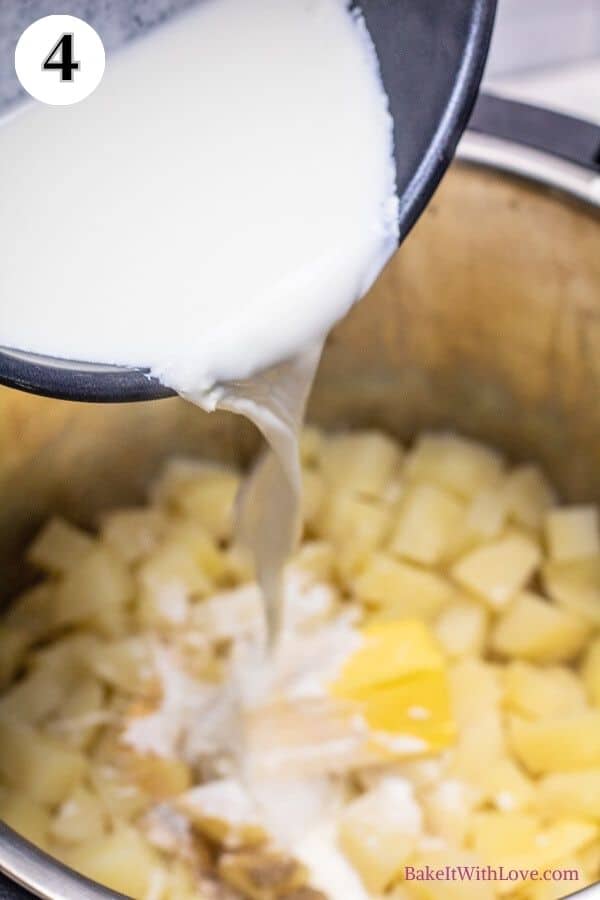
{"x":203,"y":491}
{"x":461,"y":628}
{"x":133,"y":534}
{"x":181,"y":885}
{"x":399,"y":590}
{"x":122,"y":861}
{"x":79,"y":818}
{"x":476,"y":695}
{"x":456,"y":463}
{"x":397,"y":680}
{"x":536,"y":692}
{"x":572,"y":532}
{"x":576,"y":794}
{"x":459,"y":889}
{"x":476,"y":689}
{"x":95,"y":591}
{"x":497,"y":836}
{"x":186,"y":567}
{"x":528,"y":496}
{"x":37,"y":696}
{"x":25,"y":816}
{"x":59,"y":546}
{"x":504,"y":785}
{"x":361,"y":461}
{"x":590,"y":672}
{"x":430,"y":527}
{"x":539,"y":631}
{"x":224,"y":812}
{"x":262,"y":874}
{"x":575,"y":586}
{"x":356,"y":526}
{"x":13,"y":646}
{"x":485,"y":516}
{"x":554,"y":844}
{"x":379,"y":831}
{"x":316,"y":558}
{"x":126,"y":664}
{"x":122,"y":799}
{"x":448,"y":808}
{"x":158,"y":777}
{"x":38,"y":765}
{"x":79,"y":718}
{"x":33,"y":612}
{"x":498,"y":570}
{"x":558,"y":744}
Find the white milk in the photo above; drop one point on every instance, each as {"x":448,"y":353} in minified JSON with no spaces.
{"x":225,"y":195}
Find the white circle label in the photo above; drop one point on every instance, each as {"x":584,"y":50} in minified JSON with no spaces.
{"x":60,"y":60}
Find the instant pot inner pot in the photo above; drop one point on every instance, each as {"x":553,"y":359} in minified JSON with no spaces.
{"x":487,"y":322}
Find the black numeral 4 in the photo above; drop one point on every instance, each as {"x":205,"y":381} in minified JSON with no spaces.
{"x":61,"y":58}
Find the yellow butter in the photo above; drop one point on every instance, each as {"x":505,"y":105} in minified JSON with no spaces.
{"x":398,"y":681}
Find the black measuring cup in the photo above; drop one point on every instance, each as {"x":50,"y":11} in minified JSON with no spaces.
{"x":432,"y":55}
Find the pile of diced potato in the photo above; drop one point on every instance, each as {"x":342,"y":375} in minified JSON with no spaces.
{"x":505,"y":582}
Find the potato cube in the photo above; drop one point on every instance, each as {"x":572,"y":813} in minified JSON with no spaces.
{"x":528,"y":496}
{"x":430,"y":527}
{"x":262,"y":874}
{"x":498,"y":570}
{"x":33,"y":612}
{"x":557,"y":744}
{"x":59,"y":546}
{"x":456,"y":463}
{"x":79,"y":818}
{"x":205,"y":492}
{"x":539,"y":631}
{"x":379,"y":831}
{"x":536,"y":692}
{"x":126,"y":664}
{"x":448,"y":807}
{"x":461,"y":628}
{"x":590,"y":672}
{"x":479,"y":746}
{"x":363,"y":462}
{"x":35,"y":697}
{"x":133,"y":534}
{"x":554,"y":844}
{"x":25,"y":816}
{"x":398,"y":590}
{"x":224,"y":812}
{"x":158,"y":777}
{"x":80,"y":716}
{"x":575,"y":586}
{"x":476,"y":689}
{"x":504,"y":785}
{"x":95,"y":591}
{"x":576,"y":794}
{"x":13,"y":646}
{"x":355,"y":525}
{"x":572,"y":533}
{"x":122,"y":799}
{"x":497,"y":836}
{"x":485,"y":515}
{"x":122,"y":861}
{"x":36,"y":764}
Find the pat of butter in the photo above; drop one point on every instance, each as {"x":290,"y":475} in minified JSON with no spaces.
{"x":398,"y":681}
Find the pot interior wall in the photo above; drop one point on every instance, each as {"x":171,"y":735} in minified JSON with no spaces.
{"x":487,"y":321}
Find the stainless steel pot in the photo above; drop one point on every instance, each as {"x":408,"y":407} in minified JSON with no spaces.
{"x":487,"y":321}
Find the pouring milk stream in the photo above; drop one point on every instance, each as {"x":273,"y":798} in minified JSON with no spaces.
{"x":220,"y":201}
